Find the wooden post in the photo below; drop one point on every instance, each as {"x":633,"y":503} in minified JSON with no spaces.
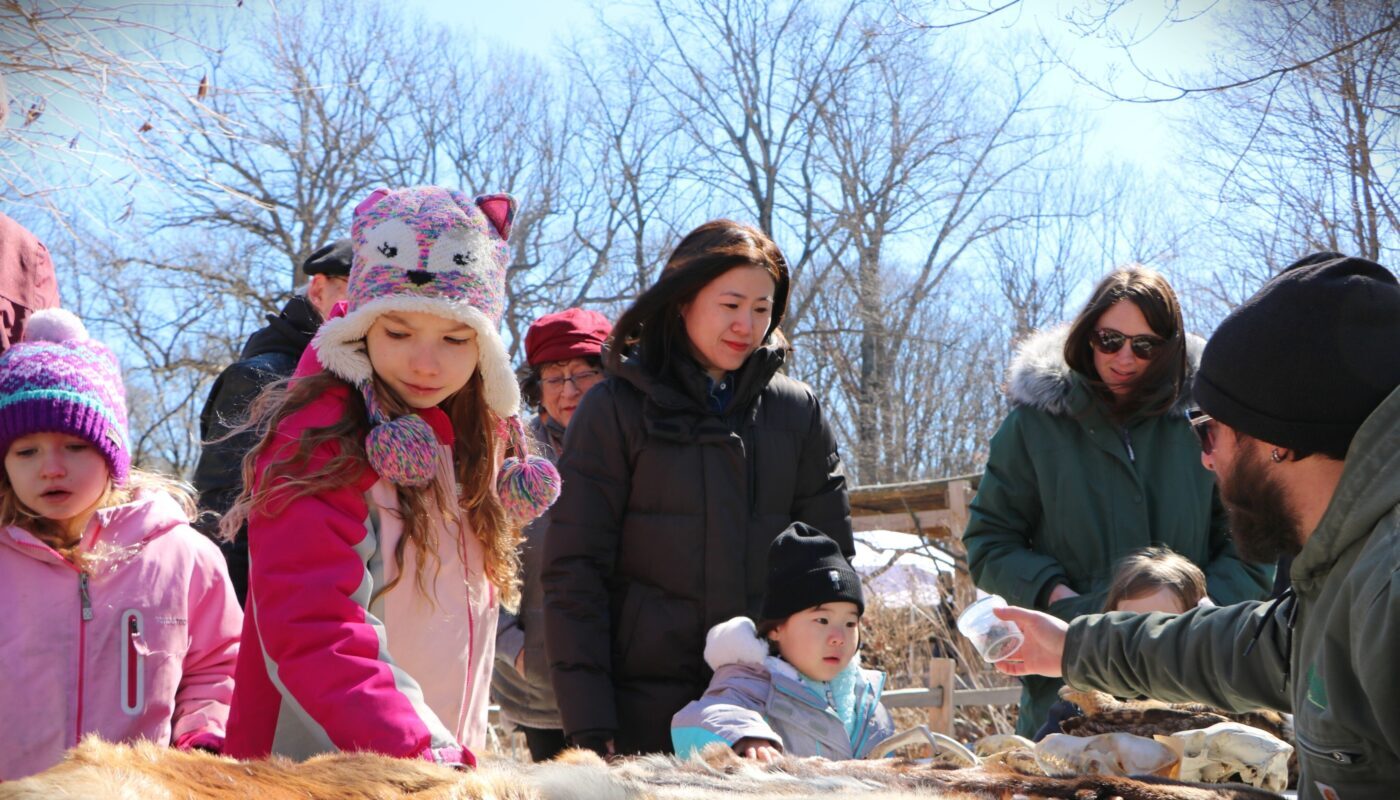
{"x":940,"y":682}
{"x":959,"y":495}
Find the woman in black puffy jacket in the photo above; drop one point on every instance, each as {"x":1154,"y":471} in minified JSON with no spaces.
{"x":679,"y":470}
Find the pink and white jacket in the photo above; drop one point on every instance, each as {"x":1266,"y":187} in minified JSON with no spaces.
{"x":140,"y":646}
{"x":324,"y":669}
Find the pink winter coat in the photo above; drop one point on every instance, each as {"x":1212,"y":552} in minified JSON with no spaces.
{"x":141,"y":647}
{"x":324,"y":668}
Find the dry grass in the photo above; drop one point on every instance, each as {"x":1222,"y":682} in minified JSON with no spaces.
{"x":903,"y":641}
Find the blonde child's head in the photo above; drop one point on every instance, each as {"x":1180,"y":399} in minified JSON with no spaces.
{"x":63,"y":432}
{"x":813,"y":604}
{"x":1156,"y":579}
{"x":419,"y":346}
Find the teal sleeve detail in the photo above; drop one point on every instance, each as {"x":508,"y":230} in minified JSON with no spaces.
{"x":690,"y":740}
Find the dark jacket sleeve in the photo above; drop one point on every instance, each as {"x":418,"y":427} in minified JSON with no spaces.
{"x":218,"y":477}
{"x":1229,"y":578}
{"x":1002,"y":516}
{"x":1199,"y":656}
{"x":821,"y":500}
{"x":579,"y":557}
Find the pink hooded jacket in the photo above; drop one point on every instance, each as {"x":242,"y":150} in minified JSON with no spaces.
{"x":324,"y":668}
{"x":142,"y":646}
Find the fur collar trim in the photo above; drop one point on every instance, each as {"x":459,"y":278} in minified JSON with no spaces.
{"x":735,"y":642}
{"x":1040,"y":378}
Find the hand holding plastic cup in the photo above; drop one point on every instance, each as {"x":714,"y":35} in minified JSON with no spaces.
{"x":994,"y":638}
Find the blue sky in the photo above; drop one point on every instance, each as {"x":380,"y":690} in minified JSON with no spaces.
{"x":1143,"y":134}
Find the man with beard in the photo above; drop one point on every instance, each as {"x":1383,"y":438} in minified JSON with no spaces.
{"x":1300,"y":420}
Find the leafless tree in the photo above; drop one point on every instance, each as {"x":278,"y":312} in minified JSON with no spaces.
{"x":743,"y":77}
{"x":286,"y":141}
{"x":78,"y":82}
{"x":628,"y":162}
{"x":1309,"y":160}
{"x":909,"y":155}
{"x":1124,"y":26}
{"x":171,"y":330}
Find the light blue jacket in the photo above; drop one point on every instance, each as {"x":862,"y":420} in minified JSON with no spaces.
{"x":754,"y":694}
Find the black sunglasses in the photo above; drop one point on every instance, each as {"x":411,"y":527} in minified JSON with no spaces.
{"x":1108,"y":341}
{"x":1203,"y":425}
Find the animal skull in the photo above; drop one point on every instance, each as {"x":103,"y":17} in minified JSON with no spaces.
{"x":1218,"y":753}
{"x":1119,"y":754}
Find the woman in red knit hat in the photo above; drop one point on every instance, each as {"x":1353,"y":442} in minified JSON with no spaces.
{"x":563,"y":353}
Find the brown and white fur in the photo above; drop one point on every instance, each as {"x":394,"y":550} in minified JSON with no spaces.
{"x":100,"y":770}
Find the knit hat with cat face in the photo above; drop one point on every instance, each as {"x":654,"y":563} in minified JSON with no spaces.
{"x":432,"y":250}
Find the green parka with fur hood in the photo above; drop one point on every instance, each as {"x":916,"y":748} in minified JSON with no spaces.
{"x":1067,"y":494}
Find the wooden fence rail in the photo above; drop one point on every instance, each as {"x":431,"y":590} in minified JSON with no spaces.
{"x":940,"y":688}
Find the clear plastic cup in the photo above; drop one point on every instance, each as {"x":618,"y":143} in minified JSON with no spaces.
{"x":993,"y":637}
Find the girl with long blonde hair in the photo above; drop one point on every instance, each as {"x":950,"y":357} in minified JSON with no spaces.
{"x":382,"y":524}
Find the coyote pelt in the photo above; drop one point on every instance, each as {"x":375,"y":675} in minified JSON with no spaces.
{"x":103,"y":771}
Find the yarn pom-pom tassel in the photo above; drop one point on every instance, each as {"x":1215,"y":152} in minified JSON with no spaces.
{"x":528,"y":485}
{"x":402,"y":451}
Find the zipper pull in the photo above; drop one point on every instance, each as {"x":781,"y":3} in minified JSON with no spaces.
{"x":83,"y":594}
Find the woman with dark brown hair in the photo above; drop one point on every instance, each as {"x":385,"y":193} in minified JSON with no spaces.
{"x":679,"y":471}
{"x":1097,"y":460}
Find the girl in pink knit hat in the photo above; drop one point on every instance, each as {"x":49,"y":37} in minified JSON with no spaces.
{"x":119,"y":620}
{"x":382,"y":524}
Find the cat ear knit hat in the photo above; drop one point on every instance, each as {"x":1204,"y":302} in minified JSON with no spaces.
{"x":58,"y":380}
{"x":433,"y":250}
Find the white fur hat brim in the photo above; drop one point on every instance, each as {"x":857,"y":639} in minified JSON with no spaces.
{"x":340,"y":345}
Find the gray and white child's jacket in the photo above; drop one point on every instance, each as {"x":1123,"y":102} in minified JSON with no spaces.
{"x":754,"y":694}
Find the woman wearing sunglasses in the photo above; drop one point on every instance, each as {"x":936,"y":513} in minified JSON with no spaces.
{"x":1097,"y":459}
{"x":563,"y":360}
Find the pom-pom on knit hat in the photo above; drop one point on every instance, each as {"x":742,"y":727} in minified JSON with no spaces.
{"x":433,"y":250}
{"x":58,"y":380}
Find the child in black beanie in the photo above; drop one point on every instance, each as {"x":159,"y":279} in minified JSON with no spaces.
{"x":793,"y":683}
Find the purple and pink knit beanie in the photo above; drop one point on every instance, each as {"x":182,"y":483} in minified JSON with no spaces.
{"x":57,"y":380}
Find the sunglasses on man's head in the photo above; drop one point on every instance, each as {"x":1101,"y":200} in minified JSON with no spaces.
{"x":1108,"y":341}
{"x":1203,"y":425}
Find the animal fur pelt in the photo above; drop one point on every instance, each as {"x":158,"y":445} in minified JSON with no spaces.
{"x":1104,"y":713}
{"x":103,"y":771}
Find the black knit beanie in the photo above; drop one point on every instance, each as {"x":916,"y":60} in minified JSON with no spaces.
{"x":805,"y":569}
{"x":331,"y":259}
{"x":1305,"y":361}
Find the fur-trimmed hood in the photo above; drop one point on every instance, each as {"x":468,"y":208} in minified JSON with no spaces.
{"x":1040,"y":377}
{"x":737,"y":642}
